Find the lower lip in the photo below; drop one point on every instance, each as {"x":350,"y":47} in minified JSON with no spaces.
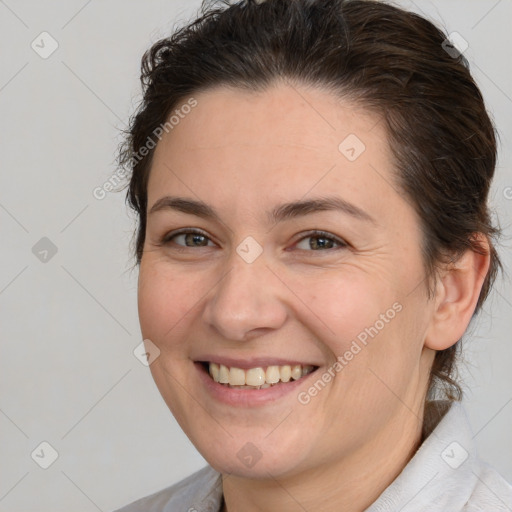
{"x":248,"y":397}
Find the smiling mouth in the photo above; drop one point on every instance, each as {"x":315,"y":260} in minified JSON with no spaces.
{"x":256,"y":378}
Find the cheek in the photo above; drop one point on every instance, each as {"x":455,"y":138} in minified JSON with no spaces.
{"x":368,"y":327}
{"x":344,"y":306}
{"x":166,"y":299}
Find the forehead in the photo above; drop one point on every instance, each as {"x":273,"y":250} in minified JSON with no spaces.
{"x":247,"y":148}
{"x":300,"y":116}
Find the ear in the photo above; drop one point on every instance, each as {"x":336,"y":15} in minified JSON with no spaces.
{"x":457,"y":290}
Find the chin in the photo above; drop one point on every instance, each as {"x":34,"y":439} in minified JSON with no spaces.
{"x":254,"y":456}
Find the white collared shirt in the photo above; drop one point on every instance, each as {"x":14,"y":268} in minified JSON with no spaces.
{"x":444,"y":475}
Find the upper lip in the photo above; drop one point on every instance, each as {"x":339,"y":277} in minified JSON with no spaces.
{"x":252,"y":362}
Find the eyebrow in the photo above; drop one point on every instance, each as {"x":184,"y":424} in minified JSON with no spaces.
{"x":280,"y":213}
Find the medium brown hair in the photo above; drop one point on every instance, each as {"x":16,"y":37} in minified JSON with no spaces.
{"x":393,"y":62}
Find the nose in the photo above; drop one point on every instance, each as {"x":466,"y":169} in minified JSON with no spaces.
{"x":247,"y":302}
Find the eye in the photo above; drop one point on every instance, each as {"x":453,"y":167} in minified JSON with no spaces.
{"x":188,"y":238}
{"x":320,"y":240}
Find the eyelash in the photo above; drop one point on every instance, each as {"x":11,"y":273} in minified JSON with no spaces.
{"x":312,"y":234}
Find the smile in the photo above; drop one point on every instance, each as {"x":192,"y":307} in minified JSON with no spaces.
{"x":258,"y":377}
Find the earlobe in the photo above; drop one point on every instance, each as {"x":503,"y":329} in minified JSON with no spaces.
{"x":457,"y":290}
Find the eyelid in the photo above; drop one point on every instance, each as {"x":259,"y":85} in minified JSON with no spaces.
{"x":325,"y":234}
{"x":183,"y":231}
{"x":342,"y":244}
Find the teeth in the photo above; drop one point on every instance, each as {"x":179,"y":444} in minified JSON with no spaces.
{"x":214,"y":371}
{"x":236,"y":376}
{"x":296,"y":372}
{"x":285,"y":373}
{"x":255,"y":377}
{"x":223,"y":374}
{"x":259,"y":378}
{"x":272,"y":375}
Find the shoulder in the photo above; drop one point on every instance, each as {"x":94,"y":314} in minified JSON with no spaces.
{"x":446,"y":472}
{"x":199,"y":492}
{"x":490,"y":492}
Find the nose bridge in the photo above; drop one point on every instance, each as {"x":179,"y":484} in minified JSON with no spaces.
{"x":245,"y":299}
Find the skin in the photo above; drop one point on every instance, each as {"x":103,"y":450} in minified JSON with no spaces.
{"x":243,"y":153}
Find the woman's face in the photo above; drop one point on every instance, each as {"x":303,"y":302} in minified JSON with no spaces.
{"x":255,"y":287}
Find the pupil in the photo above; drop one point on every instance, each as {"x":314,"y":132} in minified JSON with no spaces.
{"x":195,"y":239}
{"x":321,"y":243}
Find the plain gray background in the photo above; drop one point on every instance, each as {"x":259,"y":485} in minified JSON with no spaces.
{"x":69,"y":323}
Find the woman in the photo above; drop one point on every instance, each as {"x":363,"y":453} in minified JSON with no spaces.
{"x":311,"y":182}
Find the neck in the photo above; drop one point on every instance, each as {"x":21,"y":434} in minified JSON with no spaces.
{"x":351,"y":484}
